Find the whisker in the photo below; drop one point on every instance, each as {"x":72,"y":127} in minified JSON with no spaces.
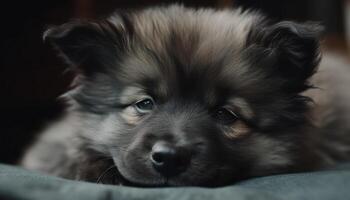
{"x":101,"y":177}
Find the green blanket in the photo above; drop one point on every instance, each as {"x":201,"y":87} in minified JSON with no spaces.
{"x":16,"y":183}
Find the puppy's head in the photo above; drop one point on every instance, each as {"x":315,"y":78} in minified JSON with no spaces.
{"x":178,"y":96}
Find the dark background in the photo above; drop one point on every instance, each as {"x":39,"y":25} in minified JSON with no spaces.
{"x":32,"y":77}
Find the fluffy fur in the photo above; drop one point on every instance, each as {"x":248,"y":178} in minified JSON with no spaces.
{"x":192,"y":63}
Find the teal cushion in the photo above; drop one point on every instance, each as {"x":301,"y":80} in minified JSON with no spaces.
{"x":16,"y":183}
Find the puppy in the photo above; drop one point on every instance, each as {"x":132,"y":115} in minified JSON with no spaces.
{"x":173,"y":96}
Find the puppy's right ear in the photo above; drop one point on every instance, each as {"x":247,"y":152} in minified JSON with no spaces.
{"x":89,"y":46}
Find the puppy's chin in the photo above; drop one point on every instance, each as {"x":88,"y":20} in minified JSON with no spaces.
{"x":131,"y":176}
{"x":127,"y":176}
{"x":171,"y":182}
{"x":162,"y":182}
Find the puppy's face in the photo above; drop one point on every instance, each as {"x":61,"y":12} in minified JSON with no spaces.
{"x":183,"y":97}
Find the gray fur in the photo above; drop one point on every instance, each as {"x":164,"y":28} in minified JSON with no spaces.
{"x":191,"y":62}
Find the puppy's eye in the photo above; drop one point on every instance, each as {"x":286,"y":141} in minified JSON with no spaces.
{"x":225,"y":116}
{"x":144,"y":106}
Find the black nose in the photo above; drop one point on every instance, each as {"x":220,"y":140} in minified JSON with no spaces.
{"x":168,"y":160}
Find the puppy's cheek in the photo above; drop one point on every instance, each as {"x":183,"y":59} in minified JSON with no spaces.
{"x":238,"y":130}
{"x":131,"y":116}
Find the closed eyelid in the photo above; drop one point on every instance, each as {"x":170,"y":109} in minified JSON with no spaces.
{"x":242,"y":106}
{"x":132,"y":94}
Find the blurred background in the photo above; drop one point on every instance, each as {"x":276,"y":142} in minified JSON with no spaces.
{"x":32,"y":77}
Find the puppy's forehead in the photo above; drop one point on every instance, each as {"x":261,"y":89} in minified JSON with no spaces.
{"x":194,"y":31}
{"x":177,"y":47}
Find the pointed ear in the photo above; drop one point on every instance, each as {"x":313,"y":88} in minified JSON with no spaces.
{"x":287,"y":50}
{"x":88,"y":46}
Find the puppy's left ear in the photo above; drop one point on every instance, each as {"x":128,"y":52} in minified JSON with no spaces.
{"x":288,"y":51}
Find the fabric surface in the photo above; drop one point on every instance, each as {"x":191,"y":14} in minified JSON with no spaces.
{"x":16,"y":183}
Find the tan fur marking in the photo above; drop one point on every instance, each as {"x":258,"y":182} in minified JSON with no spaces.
{"x":130,"y":116}
{"x":239,"y":129}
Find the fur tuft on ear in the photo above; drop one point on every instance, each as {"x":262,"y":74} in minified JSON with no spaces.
{"x":88,"y":46}
{"x":287,"y":50}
